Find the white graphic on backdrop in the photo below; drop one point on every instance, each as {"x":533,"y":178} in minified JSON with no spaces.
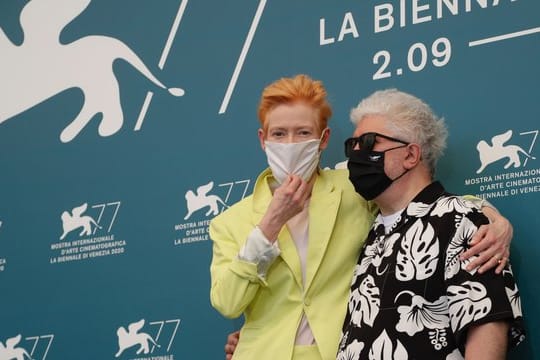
{"x":195,"y":231}
{"x":511,"y":178}
{"x":242,"y":57}
{"x":202,"y":200}
{"x":42,"y":67}
{"x":133,"y":337}
{"x":11,"y":352}
{"x":75,"y":220}
{"x":166,"y":330}
{"x":86,"y":244}
{"x":498,"y":151}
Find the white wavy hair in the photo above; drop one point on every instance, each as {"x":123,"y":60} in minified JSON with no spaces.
{"x":409,"y":119}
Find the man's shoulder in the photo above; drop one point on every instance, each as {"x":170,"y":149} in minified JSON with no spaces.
{"x":456,"y":212}
{"x":456,"y":204}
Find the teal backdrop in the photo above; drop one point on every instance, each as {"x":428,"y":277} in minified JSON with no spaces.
{"x":125,"y":126}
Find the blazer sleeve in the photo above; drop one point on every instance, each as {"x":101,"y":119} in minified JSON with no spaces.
{"x":234,"y":282}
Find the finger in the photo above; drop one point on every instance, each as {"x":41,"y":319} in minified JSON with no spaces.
{"x":289,"y":187}
{"x":476,"y":250}
{"x":296,"y":181}
{"x":507,"y":252}
{"x":497,"y":261}
{"x":297,"y":190}
{"x":235,"y":336}
{"x":484,"y":258}
{"x":477,"y":262}
{"x":303,"y":192}
{"x":502,"y":264}
{"x":229,"y":349}
{"x":286,"y":182}
{"x":491,"y":263}
{"x":479,"y":235}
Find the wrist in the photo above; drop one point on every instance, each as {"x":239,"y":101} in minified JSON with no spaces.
{"x":269,"y":230}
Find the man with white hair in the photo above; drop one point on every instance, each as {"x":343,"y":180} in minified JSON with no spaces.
{"x":412,"y":296}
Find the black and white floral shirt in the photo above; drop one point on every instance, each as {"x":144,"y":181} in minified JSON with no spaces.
{"x":411,"y":297}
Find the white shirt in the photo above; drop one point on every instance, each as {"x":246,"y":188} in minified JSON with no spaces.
{"x":259,"y":250}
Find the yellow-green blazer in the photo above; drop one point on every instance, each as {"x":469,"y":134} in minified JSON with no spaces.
{"x":339,"y":221}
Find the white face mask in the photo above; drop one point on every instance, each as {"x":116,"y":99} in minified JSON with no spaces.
{"x":301,"y":158}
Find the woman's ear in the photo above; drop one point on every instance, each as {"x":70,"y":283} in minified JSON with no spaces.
{"x":325,"y":137}
{"x":261,"y":135}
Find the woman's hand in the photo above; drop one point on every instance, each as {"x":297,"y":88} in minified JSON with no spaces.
{"x":288,"y":200}
{"x":491,"y":243}
{"x":230,"y":346}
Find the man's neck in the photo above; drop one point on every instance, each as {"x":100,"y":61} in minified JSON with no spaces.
{"x":402,"y":192}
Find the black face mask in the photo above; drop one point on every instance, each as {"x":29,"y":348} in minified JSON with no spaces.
{"x":366,"y":172}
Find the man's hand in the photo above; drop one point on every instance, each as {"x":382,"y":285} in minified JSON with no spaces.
{"x":491,"y":243}
{"x":288,"y":200}
{"x":230,"y":346}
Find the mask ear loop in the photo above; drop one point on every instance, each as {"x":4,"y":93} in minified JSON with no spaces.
{"x":406,"y":170}
{"x":321,"y":138}
{"x":320,"y":150}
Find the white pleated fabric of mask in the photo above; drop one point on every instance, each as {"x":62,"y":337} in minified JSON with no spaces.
{"x":301,"y":158}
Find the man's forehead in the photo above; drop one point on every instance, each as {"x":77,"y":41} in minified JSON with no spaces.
{"x":370,"y":123}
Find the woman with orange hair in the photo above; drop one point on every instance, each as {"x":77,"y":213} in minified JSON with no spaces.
{"x":284,"y":256}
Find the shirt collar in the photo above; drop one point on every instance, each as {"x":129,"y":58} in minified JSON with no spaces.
{"x":418,"y":207}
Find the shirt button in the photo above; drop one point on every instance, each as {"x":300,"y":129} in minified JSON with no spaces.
{"x":307,"y":301}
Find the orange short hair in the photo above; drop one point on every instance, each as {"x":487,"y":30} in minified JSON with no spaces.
{"x":300,"y":88}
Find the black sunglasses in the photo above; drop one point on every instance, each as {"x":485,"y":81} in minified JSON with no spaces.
{"x":366,"y":142}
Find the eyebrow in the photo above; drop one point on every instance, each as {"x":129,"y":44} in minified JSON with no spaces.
{"x":303,"y":127}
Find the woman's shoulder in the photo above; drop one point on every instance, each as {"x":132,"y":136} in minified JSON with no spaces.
{"x":338,"y":177}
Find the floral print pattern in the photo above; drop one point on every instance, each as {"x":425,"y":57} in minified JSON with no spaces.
{"x":411,"y":297}
{"x":419,"y":253}
{"x":421,"y":314}
{"x":384,"y":348}
{"x":352,"y":351}
{"x":364,"y":302}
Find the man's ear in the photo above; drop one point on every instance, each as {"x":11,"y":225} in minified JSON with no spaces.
{"x":262,"y":136}
{"x":325,"y":138}
{"x":414,"y":156}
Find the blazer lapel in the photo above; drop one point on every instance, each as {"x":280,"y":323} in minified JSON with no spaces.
{"x":323,"y":212}
{"x":289,"y":254}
